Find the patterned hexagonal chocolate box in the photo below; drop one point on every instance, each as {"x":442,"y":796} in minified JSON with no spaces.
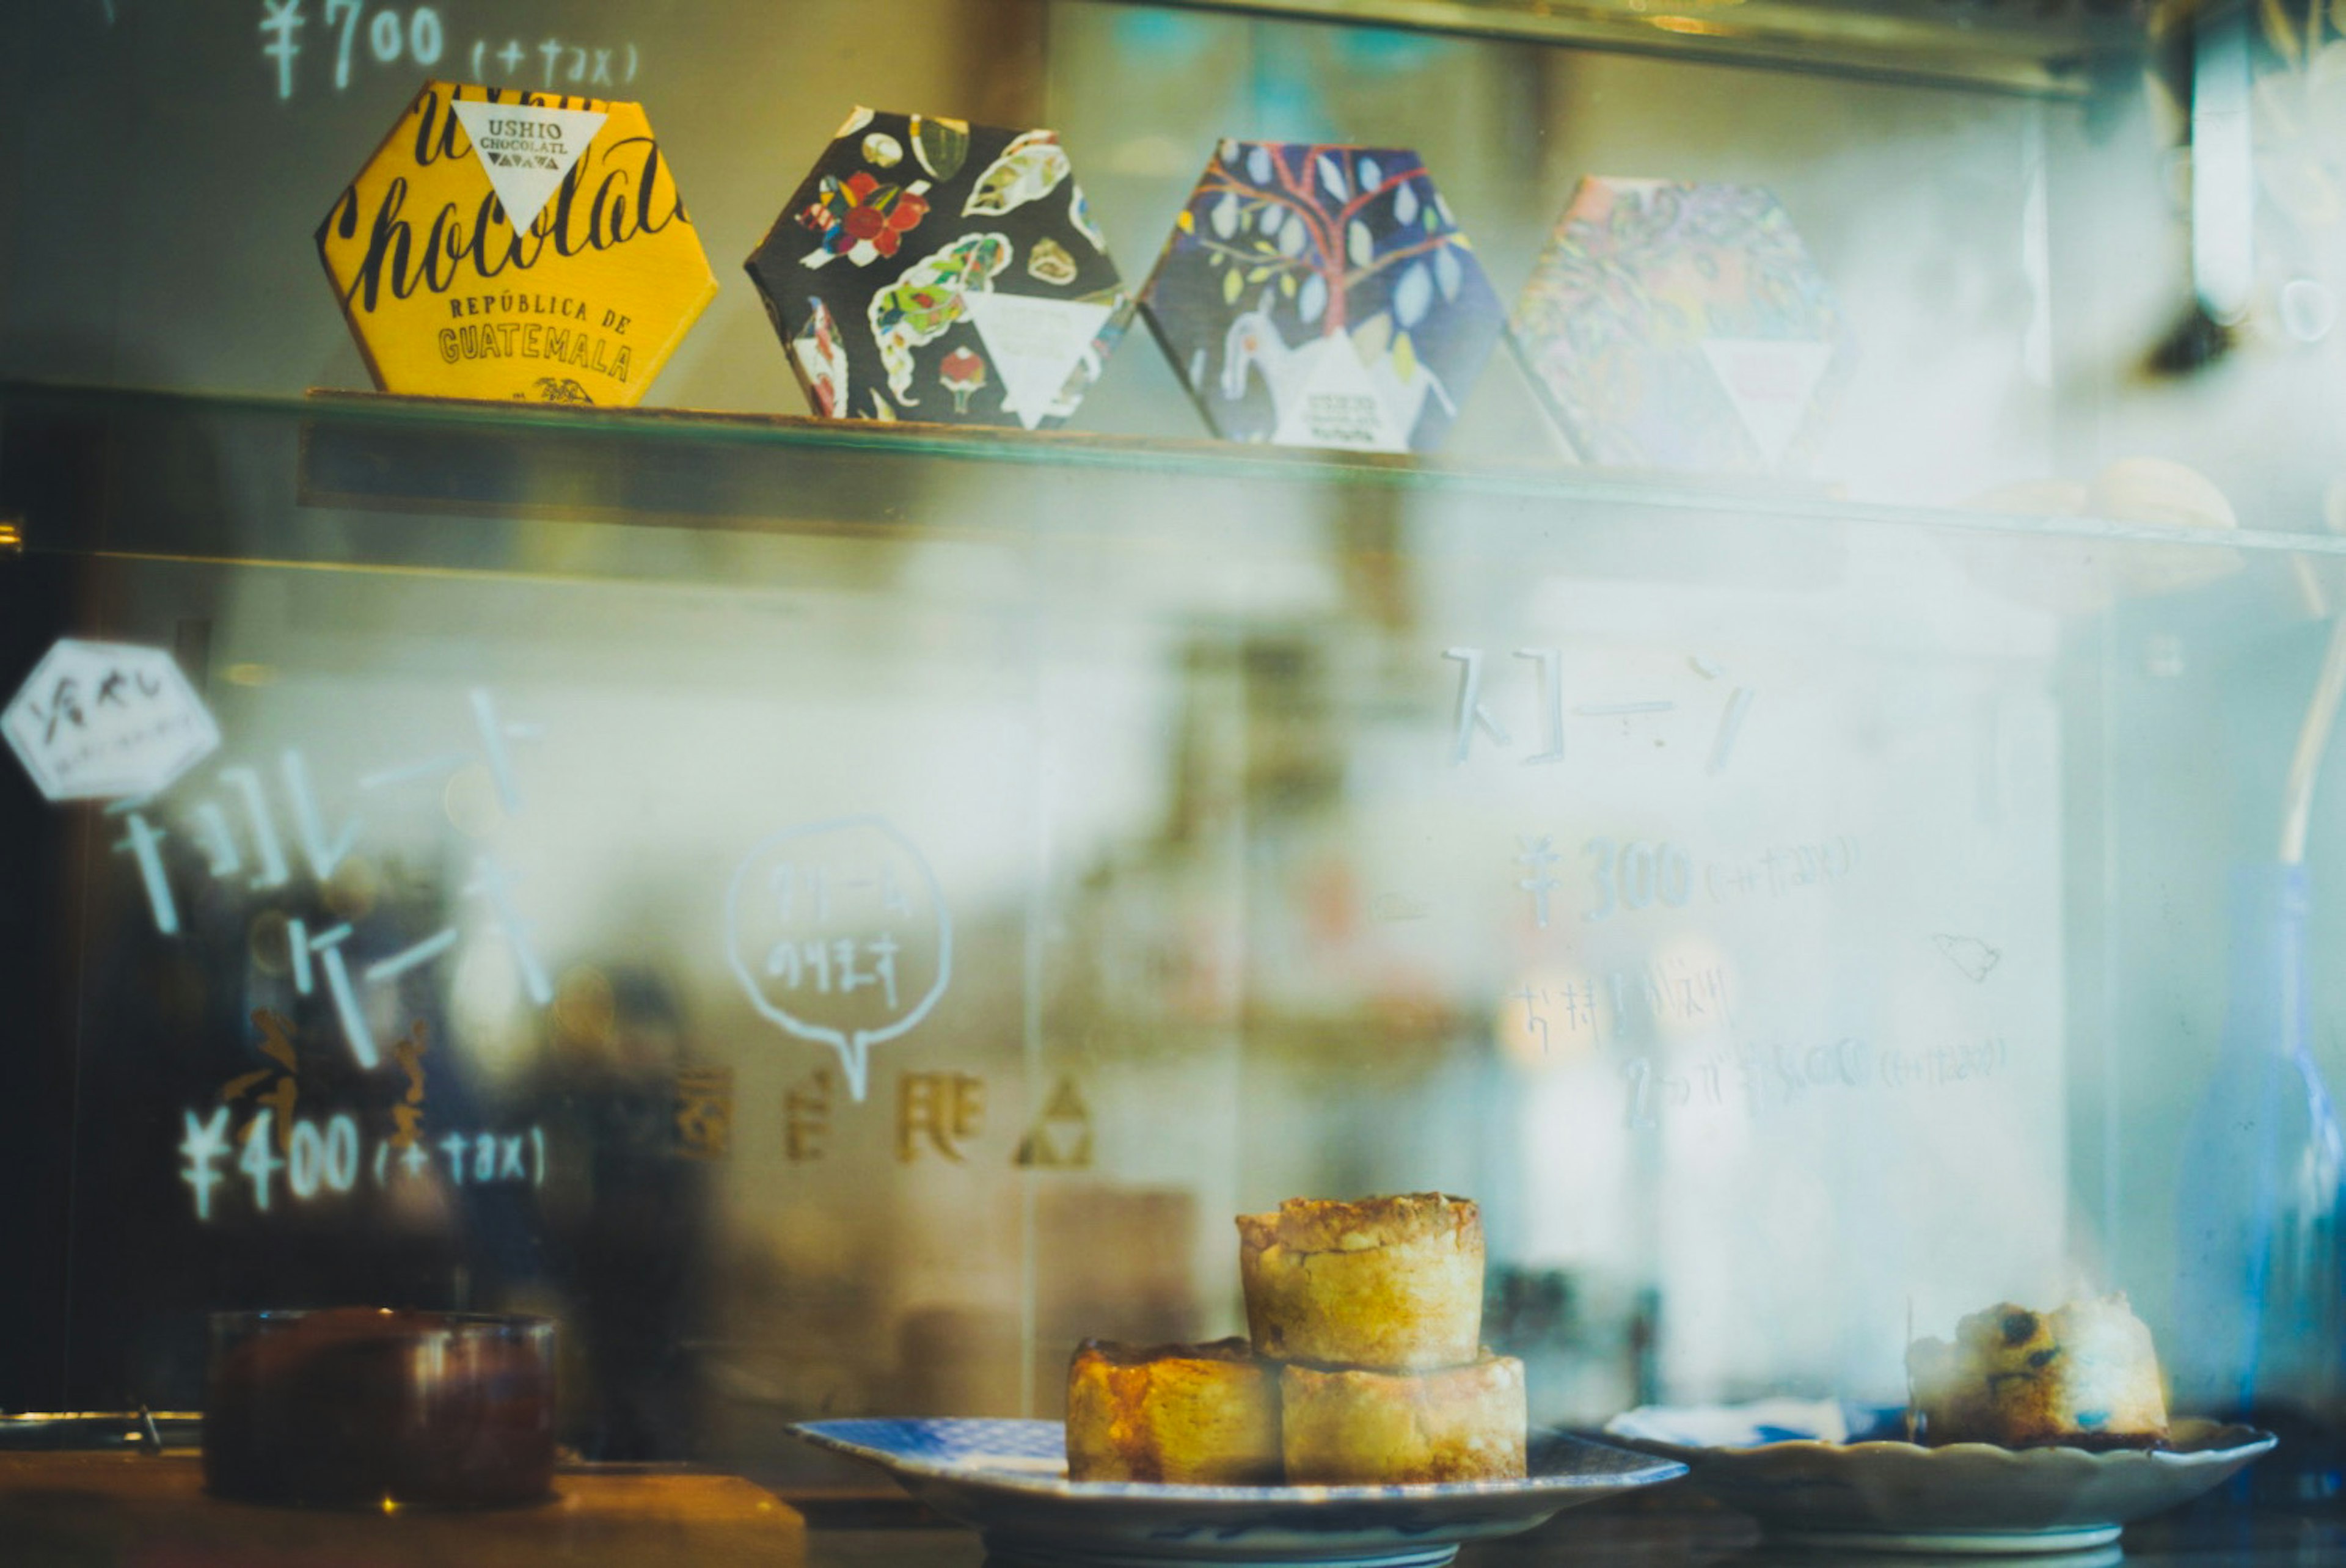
{"x":934,"y":269}
{"x":1317,"y":295}
{"x":1682,"y":326}
{"x":510,"y":244}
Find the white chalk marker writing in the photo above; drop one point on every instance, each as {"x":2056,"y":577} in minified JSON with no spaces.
{"x":838,"y":933}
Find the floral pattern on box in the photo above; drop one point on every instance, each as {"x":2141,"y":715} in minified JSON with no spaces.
{"x":1682,"y":326}
{"x":1317,"y":295}
{"x":929,"y":269}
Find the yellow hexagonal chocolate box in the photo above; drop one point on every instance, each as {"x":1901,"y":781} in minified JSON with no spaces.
{"x":510,"y":244}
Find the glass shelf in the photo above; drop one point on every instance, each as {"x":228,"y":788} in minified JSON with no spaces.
{"x":358,"y":451}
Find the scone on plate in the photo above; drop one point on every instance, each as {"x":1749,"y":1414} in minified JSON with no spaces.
{"x":2085,"y":1376}
{"x":1202,"y":1415}
{"x":1390,"y":1283}
{"x":1361,"y":1428}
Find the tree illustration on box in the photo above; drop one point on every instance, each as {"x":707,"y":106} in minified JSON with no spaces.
{"x":1320,"y":295}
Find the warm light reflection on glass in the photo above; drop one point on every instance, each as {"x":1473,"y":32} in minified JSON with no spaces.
{"x":1547,"y":1020}
{"x":1691,"y":24}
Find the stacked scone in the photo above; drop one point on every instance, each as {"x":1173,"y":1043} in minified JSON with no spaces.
{"x":1366,"y":1364}
{"x":1200,"y":1415}
{"x":1374,"y":1311}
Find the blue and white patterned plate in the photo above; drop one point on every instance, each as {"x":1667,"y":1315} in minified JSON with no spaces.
{"x":1009,"y":1478}
{"x":1840,"y":1476}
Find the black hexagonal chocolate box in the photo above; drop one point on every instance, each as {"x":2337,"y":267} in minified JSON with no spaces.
{"x":929,"y":269}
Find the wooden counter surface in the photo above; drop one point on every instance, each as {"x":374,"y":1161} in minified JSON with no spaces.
{"x":134,"y":1510}
{"x":139,"y":1511}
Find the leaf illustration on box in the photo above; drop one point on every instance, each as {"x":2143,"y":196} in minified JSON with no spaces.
{"x":900,"y":223}
{"x":1322,"y":296}
{"x":942,"y":146}
{"x":919,"y":306}
{"x":1682,"y":326}
{"x":1028,"y":170}
{"x":822,"y":362}
{"x":1049,"y":262}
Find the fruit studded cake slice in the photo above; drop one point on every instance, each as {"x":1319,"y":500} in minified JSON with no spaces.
{"x":2085,"y":1376}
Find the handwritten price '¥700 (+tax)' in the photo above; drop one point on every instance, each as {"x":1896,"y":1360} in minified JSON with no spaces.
{"x":390,"y":35}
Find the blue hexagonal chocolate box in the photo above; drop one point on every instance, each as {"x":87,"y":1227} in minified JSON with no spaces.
{"x":1319,"y":295}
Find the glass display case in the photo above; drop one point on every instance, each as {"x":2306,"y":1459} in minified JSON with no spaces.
{"x":833,"y":912}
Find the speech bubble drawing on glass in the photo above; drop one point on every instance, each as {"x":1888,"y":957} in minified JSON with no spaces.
{"x":838,"y":932}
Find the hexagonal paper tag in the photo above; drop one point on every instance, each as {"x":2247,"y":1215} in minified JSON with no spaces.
{"x":934,"y":269}
{"x":1682,"y":326}
{"x":508,"y":244}
{"x":1316,"y":295}
{"x":99,"y":720}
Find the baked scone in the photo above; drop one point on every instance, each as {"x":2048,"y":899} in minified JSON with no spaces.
{"x":1203,"y":1415}
{"x":1390,"y":1283}
{"x":2085,"y":1376}
{"x":1358,"y":1428}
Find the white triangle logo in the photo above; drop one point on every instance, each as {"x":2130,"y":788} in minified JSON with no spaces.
{"x":1034,"y":345}
{"x":1338,"y":402}
{"x":1771,"y":382}
{"x":526,"y":151}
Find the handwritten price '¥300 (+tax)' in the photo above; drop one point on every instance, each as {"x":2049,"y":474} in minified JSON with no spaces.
{"x":1638,"y":874}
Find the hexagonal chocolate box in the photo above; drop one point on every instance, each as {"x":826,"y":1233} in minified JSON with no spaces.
{"x":1318,"y":295}
{"x":929,"y":269}
{"x":511,"y":244}
{"x":1682,"y":326}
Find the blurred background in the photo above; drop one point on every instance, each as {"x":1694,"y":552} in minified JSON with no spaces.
{"x":1801,"y":911}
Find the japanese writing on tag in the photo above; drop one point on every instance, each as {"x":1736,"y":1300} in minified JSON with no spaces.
{"x":98,"y":720}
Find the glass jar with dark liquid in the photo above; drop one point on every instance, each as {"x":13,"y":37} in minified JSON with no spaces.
{"x":362,"y":1407}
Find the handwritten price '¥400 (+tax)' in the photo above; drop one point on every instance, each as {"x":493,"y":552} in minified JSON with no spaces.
{"x":326,"y":1158}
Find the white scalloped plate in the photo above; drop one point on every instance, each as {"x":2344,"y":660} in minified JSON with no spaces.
{"x":1008,"y":1478}
{"x":1967,"y":1499}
